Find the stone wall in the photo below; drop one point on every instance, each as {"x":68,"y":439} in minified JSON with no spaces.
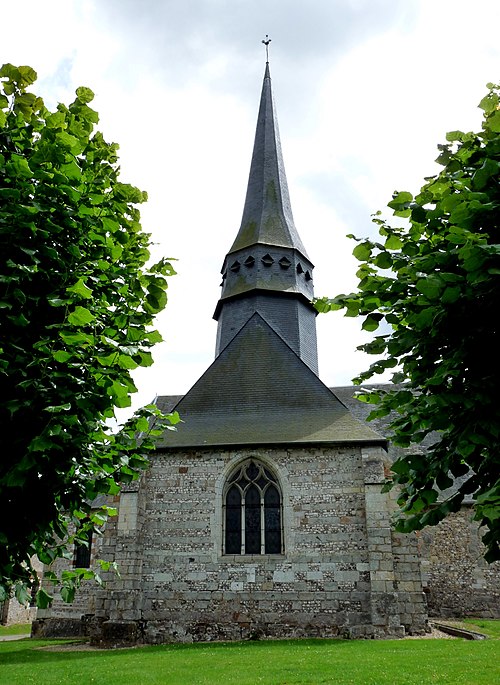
{"x":337,"y":575}
{"x":62,"y":618}
{"x":12,"y":612}
{"x":458,"y":581}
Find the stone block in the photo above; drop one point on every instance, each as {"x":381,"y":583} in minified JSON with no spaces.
{"x":284,"y":576}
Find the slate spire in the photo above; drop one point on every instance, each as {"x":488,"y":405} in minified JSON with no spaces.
{"x":267,"y":214}
{"x":267,"y":269}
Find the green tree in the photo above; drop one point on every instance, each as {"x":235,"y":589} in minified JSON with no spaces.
{"x":77,"y":302}
{"x":432,"y":285}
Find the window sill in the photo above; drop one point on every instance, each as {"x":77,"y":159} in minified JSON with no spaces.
{"x":245,"y":558}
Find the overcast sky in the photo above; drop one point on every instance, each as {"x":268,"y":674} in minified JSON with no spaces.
{"x":364,"y":89}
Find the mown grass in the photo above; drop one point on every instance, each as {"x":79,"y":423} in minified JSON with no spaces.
{"x":288,"y":662}
{"x":489,"y":627}
{"x":16,"y":629}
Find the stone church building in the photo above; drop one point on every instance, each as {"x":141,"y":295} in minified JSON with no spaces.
{"x":262,"y":515}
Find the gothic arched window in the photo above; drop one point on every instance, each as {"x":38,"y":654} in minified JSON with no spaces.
{"x":252,"y":511}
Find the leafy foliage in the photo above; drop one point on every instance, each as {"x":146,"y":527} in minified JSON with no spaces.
{"x":433,"y":285}
{"x":77,"y":303}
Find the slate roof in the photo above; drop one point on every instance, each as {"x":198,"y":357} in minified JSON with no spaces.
{"x":259,"y":392}
{"x":267,"y":214}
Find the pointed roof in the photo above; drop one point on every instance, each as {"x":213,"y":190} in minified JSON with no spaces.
{"x":267,"y":215}
{"x":259,"y":392}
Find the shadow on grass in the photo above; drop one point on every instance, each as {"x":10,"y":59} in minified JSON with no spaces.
{"x":45,"y":651}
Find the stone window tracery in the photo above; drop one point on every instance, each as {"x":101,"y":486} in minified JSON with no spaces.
{"x":253,"y":511}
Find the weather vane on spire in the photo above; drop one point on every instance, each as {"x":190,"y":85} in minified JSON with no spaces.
{"x":266,"y":43}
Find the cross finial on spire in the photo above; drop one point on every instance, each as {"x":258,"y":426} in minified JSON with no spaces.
{"x":266,"y":43}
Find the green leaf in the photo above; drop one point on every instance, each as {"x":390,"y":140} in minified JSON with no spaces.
{"x":400,"y":200}
{"x":110,"y":224}
{"x":122,"y":402}
{"x":424,"y":318}
{"x":80,"y":289}
{"x":393,"y":243}
{"x":368,"y":397}
{"x":383,"y":260}
{"x":126,"y":362}
{"x":77,"y":339}
{"x":453,"y":136}
{"x":489,"y":103}
{"x":352,"y":308}
{"x":461,"y":213}
{"x":84,"y":94}
{"x":55,"y":120}
{"x":400,"y":466}
{"x":118,"y":389}
{"x":40,"y":444}
{"x":493,"y":122}
{"x":27,"y":75}
{"x":153,"y":337}
{"x":129,"y":193}
{"x":142,"y":424}
{"x":324,"y":304}
{"x":371,"y":322}
{"x":71,"y":171}
{"x":69,"y":142}
{"x":146,"y":359}
{"x":116,"y":252}
{"x":484,"y":173}
{"x":19,"y":167}
{"x":56,"y":409}
{"x":430,"y":287}
{"x":22,"y":594}
{"x":451,"y":295}
{"x":418,"y":214}
{"x":108,"y":360}
{"x":80,"y":316}
{"x":43,"y":599}
{"x":68,"y":593}
{"x":362,"y":251}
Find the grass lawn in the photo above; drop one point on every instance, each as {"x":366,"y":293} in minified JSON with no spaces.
{"x":288,"y":662}
{"x":483,"y":625}
{"x":16,"y":629}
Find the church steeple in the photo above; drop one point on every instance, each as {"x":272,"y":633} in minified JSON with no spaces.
{"x":267,"y":269}
{"x":263,"y":386}
{"x":267,"y":214}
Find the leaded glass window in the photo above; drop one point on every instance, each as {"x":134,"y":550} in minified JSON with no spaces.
{"x":233,"y":520}
{"x":83,"y":550}
{"x":253,"y":521}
